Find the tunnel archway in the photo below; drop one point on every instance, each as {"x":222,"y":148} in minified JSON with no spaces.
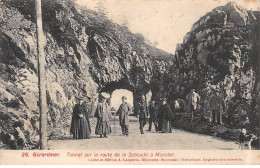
{"x":121,"y":84}
{"x":126,"y":85}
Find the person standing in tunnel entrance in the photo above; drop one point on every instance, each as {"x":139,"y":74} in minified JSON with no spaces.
{"x":80,"y":126}
{"x":123,"y":112}
{"x":103,"y":115}
{"x":143,"y":114}
{"x":153,"y":116}
{"x":193,"y":98}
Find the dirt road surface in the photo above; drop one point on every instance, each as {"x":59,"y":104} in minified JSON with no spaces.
{"x":178,"y":140}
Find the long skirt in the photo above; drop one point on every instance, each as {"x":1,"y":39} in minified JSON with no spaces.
{"x":80,"y":128}
{"x":166,"y":126}
{"x":103,"y":127}
{"x":160,"y":121}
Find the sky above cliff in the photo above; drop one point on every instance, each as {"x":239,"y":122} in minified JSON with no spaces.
{"x":163,"y":21}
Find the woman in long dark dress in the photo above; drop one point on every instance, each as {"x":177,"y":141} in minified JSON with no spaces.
{"x":80,"y":126}
{"x":160,"y":118}
{"x":166,"y":117}
{"x":103,"y":115}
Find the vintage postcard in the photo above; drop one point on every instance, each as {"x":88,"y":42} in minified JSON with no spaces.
{"x":130,"y":82}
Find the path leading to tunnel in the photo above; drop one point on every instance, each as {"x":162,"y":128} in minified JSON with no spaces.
{"x":178,"y":140}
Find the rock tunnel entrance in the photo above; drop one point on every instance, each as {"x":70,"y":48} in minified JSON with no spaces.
{"x":134,"y":93}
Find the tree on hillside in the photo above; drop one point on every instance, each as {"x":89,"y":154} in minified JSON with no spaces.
{"x":125,"y":21}
{"x":155,"y":43}
{"x":101,"y":8}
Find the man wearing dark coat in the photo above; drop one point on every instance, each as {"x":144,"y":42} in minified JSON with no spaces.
{"x":80,"y":126}
{"x":153,"y":116}
{"x":165,"y":115}
{"x":217,"y":105}
{"x":103,"y":115}
{"x":143,"y":114}
{"x":124,"y":111}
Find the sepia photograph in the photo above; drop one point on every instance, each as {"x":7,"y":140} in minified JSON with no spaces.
{"x":136,"y":81}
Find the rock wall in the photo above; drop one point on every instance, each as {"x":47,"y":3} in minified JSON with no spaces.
{"x":85,"y":54}
{"x":221,"y":51}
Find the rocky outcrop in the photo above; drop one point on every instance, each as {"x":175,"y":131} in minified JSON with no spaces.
{"x":221,"y":51}
{"x":85,"y":54}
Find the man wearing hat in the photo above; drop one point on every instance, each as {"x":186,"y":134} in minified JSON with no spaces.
{"x":217,"y":106}
{"x":143,"y":114}
{"x":124,"y":111}
{"x":80,"y":126}
{"x":193,"y":98}
{"x":153,"y":116}
{"x":103,"y":115}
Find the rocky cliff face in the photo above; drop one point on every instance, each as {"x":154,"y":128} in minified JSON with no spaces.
{"x":221,"y":51}
{"x":85,"y":53}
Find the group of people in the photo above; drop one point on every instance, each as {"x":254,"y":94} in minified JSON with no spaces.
{"x":80,"y":126}
{"x":216,"y":105}
{"x":160,"y":117}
